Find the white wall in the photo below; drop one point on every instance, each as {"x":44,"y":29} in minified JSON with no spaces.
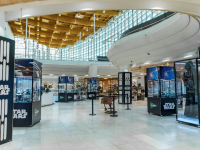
{"x":140,"y":81}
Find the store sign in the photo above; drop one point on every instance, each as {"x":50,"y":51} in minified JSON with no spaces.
{"x":19,"y":114}
{"x":168,"y":106}
{"x":153,"y":105}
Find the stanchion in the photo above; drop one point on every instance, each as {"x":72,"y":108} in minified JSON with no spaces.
{"x":92,"y":107}
{"x":127,"y":104}
{"x":113,"y":115}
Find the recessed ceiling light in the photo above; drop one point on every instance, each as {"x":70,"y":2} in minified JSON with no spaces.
{"x":188,"y":56}
{"x":75,"y":75}
{"x":98,"y":75}
{"x":86,"y":75}
{"x":165,"y":60}
{"x":26,"y":16}
{"x":108,"y":75}
{"x":146,"y":63}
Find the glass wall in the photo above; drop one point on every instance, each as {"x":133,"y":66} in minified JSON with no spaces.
{"x":84,"y":50}
{"x":187,"y":94}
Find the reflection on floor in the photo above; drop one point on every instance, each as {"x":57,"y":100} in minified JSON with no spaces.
{"x":67,"y":126}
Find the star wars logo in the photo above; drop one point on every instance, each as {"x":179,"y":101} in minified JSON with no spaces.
{"x":20,"y":113}
{"x":169,"y":106}
{"x":4,"y":89}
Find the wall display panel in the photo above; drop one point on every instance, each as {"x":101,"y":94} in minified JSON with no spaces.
{"x":187,"y":85}
{"x":7,"y":51}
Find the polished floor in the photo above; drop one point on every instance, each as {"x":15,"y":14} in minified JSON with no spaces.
{"x":68,"y":126}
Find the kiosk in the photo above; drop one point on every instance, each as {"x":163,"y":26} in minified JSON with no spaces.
{"x":27,"y":92}
{"x":187,"y":86}
{"x":92,"y":87}
{"x":161,"y":91}
{"x":65,"y":88}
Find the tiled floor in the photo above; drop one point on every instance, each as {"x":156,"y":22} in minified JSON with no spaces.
{"x":67,"y":126}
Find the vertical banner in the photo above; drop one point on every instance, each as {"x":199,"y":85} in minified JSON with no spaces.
{"x":7,"y":52}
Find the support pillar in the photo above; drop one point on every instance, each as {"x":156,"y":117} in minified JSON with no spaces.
{"x":92,"y":72}
{"x":2,"y":24}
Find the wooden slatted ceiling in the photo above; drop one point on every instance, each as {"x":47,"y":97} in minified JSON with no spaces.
{"x":61,"y":30}
{"x":8,"y":2}
{"x":142,"y":69}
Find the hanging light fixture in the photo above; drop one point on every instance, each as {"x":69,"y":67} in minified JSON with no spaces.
{"x":104,"y":11}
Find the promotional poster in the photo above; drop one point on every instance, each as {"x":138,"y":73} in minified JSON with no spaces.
{"x":70,"y":79}
{"x":7,"y":51}
{"x":62,"y":79}
{"x":167,"y":73}
{"x":153,"y":73}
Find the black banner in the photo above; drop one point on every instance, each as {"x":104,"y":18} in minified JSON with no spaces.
{"x":7,"y":52}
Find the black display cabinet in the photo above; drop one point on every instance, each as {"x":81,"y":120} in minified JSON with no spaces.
{"x":27,"y":92}
{"x":65,"y":88}
{"x":125,"y":87}
{"x":161,"y":90}
{"x":187,"y":74}
{"x":92,"y":87}
{"x":7,"y":53}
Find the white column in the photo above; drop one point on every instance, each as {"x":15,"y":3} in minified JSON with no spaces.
{"x":92,"y":72}
{"x":2,"y":24}
{"x":124,"y":68}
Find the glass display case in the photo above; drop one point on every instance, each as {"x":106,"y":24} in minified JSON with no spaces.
{"x":187,"y":87}
{"x":80,"y":92}
{"x":62,"y":88}
{"x":167,"y":89}
{"x":65,"y":88}
{"x":92,"y":87}
{"x":27,"y":91}
{"x":161,"y":90}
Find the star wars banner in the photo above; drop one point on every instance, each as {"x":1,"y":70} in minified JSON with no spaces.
{"x":7,"y":52}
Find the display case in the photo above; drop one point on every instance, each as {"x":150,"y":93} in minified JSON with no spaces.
{"x":161,"y":90}
{"x":27,"y":92}
{"x":65,"y":88}
{"x":80,"y":92}
{"x":187,"y":91}
{"x":92,"y":87}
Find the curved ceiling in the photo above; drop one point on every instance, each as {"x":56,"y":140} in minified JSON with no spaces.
{"x":46,"y":7}
{"x":169,"y":40}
